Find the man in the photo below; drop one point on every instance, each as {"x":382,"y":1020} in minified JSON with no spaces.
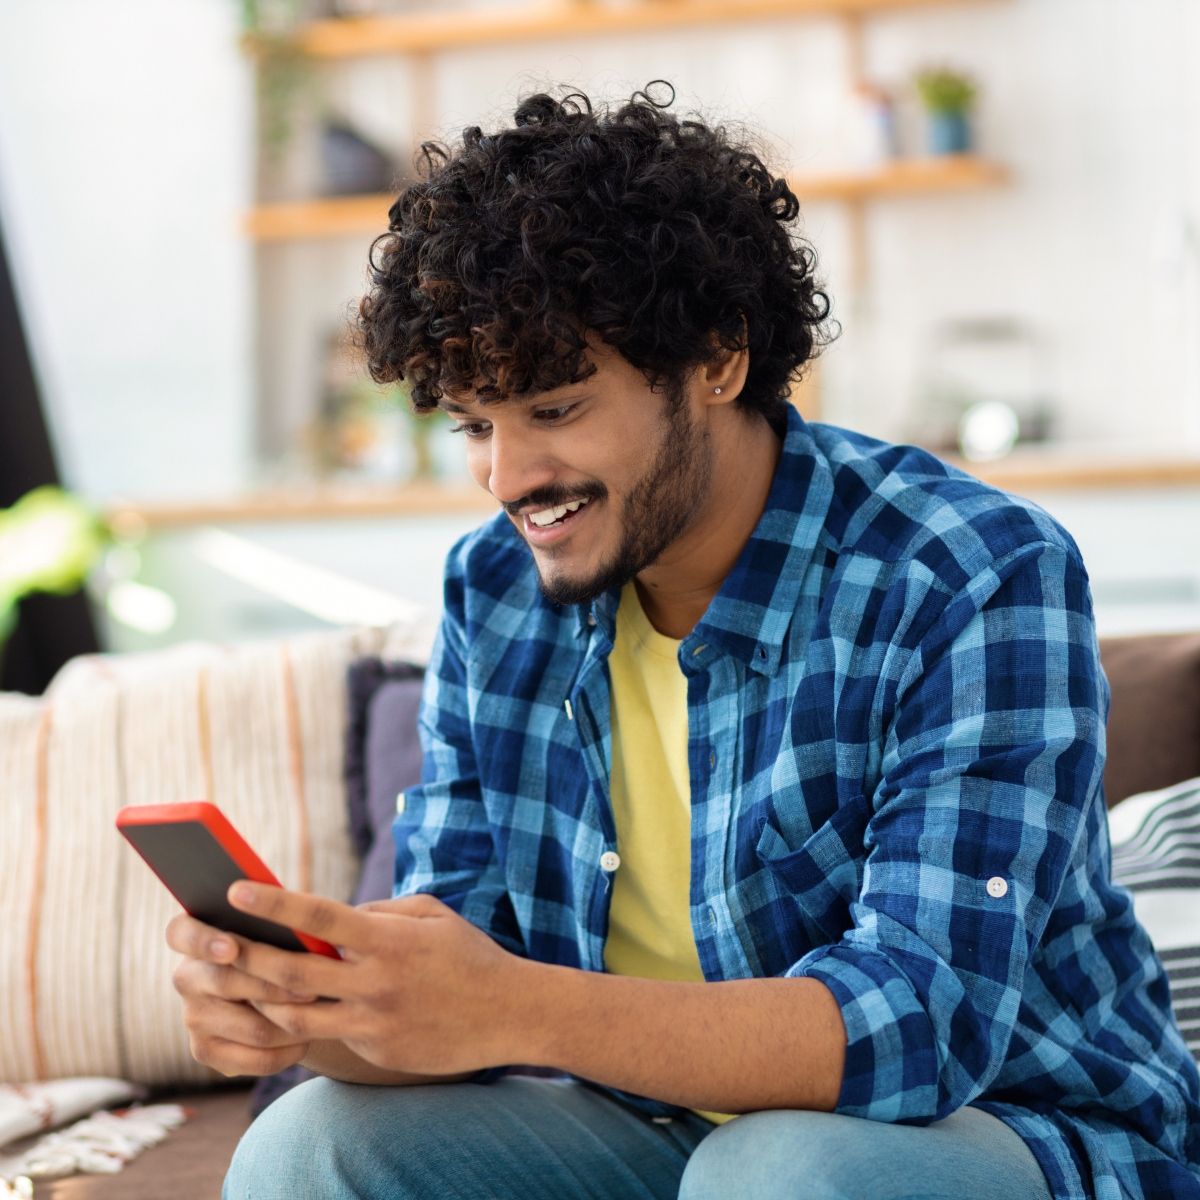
{"x":762,"y":792}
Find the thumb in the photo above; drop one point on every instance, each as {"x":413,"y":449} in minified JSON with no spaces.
{"x":420,"y":904}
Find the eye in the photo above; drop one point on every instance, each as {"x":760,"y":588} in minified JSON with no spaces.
{"x":550,"y":415}
{"x":473,"y":429}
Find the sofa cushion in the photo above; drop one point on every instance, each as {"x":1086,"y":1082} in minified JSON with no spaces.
{"x":84,"y":967}
{"x":1154,"y":723}
{"x":383,"y":757}
{"x":1156,"y":855}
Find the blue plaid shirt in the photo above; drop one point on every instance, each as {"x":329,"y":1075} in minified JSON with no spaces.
{"x":895,"y":738}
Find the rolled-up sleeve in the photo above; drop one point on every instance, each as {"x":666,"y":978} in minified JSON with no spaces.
{"x":993,"y":754}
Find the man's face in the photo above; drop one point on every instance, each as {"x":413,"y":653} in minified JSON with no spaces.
{"x":599,"y":477}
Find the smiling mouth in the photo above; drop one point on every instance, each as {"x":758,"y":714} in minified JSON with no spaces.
{"x":546,"y":528}
{"x":548,"y":518}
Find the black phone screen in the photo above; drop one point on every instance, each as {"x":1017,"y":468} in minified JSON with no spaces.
{"x":198,"y":871}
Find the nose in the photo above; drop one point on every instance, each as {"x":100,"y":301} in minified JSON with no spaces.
{"x":515,"y":465}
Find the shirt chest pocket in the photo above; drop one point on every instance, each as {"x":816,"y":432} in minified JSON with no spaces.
{"x":823,"y":876}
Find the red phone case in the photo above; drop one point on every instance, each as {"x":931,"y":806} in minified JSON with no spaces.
{"x":139,"y":820}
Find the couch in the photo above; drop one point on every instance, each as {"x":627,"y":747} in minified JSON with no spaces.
{"x":1154,"y":741}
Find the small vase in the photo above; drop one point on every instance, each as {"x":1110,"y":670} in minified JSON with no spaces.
{"x":949,"y":133}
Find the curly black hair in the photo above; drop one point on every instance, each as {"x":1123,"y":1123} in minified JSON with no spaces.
{"x":668,"y":239}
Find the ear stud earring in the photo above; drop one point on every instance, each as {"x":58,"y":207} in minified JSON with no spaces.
{"x":717,"y":390}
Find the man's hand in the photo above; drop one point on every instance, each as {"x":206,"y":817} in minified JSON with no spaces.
{"x":225,"y":1029}
{"x":419,"y":989}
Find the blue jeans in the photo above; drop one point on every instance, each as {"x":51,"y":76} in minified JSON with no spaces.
{"x":525,"y":1138}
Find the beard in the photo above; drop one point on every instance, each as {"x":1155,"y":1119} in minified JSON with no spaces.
{"x":659,"y":507}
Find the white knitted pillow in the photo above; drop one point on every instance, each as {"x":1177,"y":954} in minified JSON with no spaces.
{"x":85,"y":975}
{"x":1156,"y":855}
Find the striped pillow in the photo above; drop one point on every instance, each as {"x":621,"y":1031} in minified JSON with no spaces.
{"x":1156,"y":855}
{"x":85,"y":975}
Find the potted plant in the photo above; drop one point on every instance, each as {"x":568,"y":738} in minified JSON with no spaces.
{"x":948,"y":97}
{"x":49,"y":541}
{"x":284,"y":77}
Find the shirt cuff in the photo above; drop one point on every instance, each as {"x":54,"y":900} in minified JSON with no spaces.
{"x":892,"y":1062}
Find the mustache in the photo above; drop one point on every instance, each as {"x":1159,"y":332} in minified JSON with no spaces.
{"x":552,"y":497}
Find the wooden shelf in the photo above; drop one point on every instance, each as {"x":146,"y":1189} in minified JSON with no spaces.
{"x":903,"y":177}
{"x":1038,"y":469}
{"x":1032,"y":470}
{"x":426,"y":32}
{"x":331,"y":217}
{"x":345,"y":215}
{"x":316,"y":503}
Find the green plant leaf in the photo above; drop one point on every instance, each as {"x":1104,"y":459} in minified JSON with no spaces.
{"x":945,"y":91}
{"x":49,"y":540}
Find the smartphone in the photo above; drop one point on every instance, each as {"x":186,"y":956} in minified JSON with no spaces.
{"x":197,"y":853}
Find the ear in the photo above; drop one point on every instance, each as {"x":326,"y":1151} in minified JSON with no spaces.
{"x":722,"y":380}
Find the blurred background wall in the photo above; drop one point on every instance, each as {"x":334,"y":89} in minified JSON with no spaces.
{"x":126,"y":160}
{"x":186,"y":335}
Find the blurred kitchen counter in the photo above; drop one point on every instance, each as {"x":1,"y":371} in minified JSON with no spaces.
{"x":1028,"y":470}
{"x":281,"y":560}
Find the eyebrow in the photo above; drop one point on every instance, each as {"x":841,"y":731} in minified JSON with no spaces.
{"x":449,"y":406}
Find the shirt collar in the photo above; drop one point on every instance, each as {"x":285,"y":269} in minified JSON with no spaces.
{"x":750,"y":616}
{"x":600,"y":614}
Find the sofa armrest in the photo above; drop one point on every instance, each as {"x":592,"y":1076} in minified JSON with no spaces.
{"x":1154,"y":722}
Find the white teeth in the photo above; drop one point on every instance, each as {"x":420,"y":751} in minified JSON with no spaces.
{"x":548,"y":516}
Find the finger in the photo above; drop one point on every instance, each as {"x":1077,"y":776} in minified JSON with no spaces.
{"x":198,"y":940}
{"x":419,"y":904}
{"x":309,"y":1022}
{"x":297,"y":971}
{"x":338,"y":924}
{"x":229,"y":983}
{"x":231,"y":1058}
{"x":193,"y":977}
{"x":226,"y":1021}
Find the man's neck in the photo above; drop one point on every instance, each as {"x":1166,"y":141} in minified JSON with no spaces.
{"x":678,"y":588}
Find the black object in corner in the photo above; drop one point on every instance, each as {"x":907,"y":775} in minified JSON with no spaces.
{"x":50,"y":629}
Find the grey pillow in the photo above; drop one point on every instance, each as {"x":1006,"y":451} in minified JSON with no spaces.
{"x":383,"y":758}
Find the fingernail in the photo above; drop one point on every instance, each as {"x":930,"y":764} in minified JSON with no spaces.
{"x":243,"y":894}
{"x":220,"y":947}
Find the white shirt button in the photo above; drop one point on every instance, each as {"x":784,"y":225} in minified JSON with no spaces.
{"x":399,"y":803}
{"x":997,"y":887}
{"x":591,"y":619}
{"x":610,"y":860}
{"x":661,"y":1120}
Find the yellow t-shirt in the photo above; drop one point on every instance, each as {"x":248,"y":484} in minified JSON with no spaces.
{"x":649,"y":925}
